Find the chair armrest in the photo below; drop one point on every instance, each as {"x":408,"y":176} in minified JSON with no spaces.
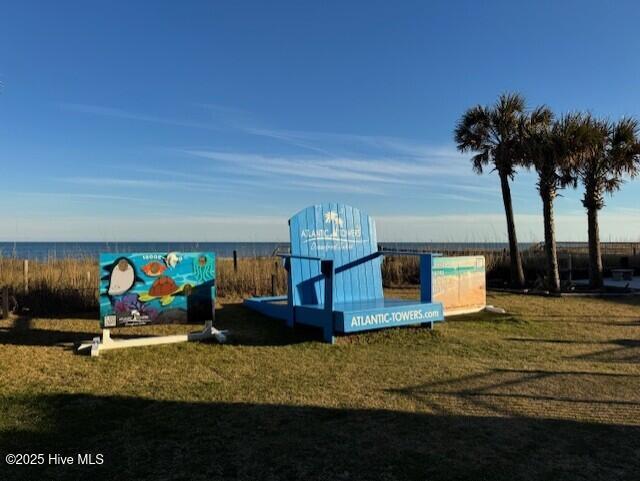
{"x":294,"y":256}
{"x":326,"y":269}
{"x":408,"y":253}
{"x":373,"y":255}
{"x":426,"y":271}
{"x":357,"y":262}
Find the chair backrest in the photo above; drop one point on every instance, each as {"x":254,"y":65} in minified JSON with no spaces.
{"x":345,"y":235}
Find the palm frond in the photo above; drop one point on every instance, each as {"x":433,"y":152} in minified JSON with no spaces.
{"x":478,"y":161}
{"x":472,"y":129}
{"x":624,"y":154}
{"x":493,"y":133}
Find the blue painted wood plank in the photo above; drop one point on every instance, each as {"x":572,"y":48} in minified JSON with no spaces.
{"x":320,"y":246}
{"x":351,"y":277}
{"x":426,"y":278}
{"x":338,"y":251}
{"x":305,"y":289}
{"x":361,"y":270}
{"x":296,"y":270}
{"x":340,"y":233}
{"x":376,"y":264}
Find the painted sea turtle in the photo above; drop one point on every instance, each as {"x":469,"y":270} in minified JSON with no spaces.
{"x":165,"y":289}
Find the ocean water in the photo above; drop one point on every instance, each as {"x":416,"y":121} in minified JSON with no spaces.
{"x":60,"y":250}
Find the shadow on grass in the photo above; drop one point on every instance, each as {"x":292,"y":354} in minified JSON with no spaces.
{"x":22,"y":333}
{"x":628,"y":300}
{"x":536,"y":390}
{"x":245,"y":326}
{"x":249,"y":328}
{"x":43,"y":300}
{"x":623,"y":351}
{"x":146,"y":439}
{"x":619,"y":350}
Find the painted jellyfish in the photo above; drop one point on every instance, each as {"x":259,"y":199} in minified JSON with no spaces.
{"x":203,"y":268}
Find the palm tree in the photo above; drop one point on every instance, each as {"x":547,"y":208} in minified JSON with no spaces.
{"x":549,"y":148}
{"x":609,"y":152}
{"x":494,"y":134}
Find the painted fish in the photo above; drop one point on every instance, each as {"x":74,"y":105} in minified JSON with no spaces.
{"x":172,"y":259}
{"x":154,"y":268}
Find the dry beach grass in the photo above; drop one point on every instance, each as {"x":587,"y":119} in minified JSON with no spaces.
{"x":70,"y":285}
{"x":549,"y":391}
{"x":62,"y":286}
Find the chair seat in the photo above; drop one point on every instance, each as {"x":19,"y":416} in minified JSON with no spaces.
{"x":370,"y":314}
{"x":366,"y":304}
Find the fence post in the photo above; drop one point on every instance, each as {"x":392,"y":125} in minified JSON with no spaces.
{"x":25,"y":270}
{"x":235,"y":261}
{"x":273,"y":284}
{"x":5,"y":302}
{"x":570,"y":268}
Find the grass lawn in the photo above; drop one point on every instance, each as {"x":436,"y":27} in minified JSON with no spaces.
{"x":549,"y":391}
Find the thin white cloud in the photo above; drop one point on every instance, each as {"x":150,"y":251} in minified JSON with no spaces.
{"x":284,"y":137}
{"x":229,"y":179}
{"x":123,"y":114}
{"x":376,"y":170}
{"x":391,"y":145}
{"x":372,"y":176}
{"x":116,"y":182}
{"x":326,"y":187}
{"x":416,"y":167}
{"x":151,"y":184}
{"x":73,"y":195}
{"x":327,"y":143}
{"x":368,"y":165}
{"x":461,"y":198}
{"x":295,"y":166}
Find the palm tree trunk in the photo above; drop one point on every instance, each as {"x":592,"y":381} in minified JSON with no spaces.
{"x":595,"y":254}
{"x":553,"y":273}
{"x":517,"y":274}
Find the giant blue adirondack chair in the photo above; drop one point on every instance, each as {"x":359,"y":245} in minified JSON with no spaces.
{"x":335,"y":279}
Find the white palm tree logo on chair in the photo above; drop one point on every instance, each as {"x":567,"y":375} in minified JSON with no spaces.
{"x":333,"y":236}
{"x":334,"y":218}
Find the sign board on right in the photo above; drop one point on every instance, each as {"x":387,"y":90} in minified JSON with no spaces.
{"x":460,"y":284}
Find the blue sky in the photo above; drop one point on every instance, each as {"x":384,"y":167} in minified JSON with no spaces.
{"x":216,"y":121}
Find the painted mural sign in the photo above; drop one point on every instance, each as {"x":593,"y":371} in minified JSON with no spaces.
{"x":460,"y":284}
{"x":137,"y":289}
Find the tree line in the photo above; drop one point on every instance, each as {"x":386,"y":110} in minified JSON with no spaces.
{"x":573,"y":149}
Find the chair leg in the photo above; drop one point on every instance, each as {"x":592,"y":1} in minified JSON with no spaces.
{"x":289,"y":319}
{"x":327,"y":334}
